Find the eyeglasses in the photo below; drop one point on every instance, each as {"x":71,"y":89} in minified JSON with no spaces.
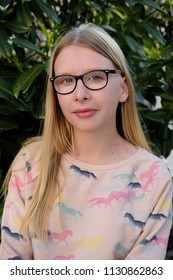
{"x":93,"y":80}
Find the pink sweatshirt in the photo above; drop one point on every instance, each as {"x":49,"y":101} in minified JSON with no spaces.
{"x":106,"y":212}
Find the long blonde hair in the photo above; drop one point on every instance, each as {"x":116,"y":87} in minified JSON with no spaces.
{"x":57,"y":132}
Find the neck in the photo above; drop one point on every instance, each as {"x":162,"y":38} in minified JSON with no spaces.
{"x":98,"y":148}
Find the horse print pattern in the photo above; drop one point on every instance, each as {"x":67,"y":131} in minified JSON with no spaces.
{"x":116,"y":211}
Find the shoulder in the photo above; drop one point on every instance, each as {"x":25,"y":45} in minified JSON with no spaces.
{"x":28,"y":158}
{"x":150,"y":164}
{"x":153,"y":174}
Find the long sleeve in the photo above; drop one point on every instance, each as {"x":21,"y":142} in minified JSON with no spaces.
{"x":152,"y":243}
{"x":14,"y":245}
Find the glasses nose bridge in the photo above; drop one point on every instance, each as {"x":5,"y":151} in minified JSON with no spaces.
{"x":80,"y":77}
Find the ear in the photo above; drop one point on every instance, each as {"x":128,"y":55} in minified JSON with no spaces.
{"x":125,"y":91}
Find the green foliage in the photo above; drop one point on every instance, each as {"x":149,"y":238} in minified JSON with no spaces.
{"x":29,"y":29}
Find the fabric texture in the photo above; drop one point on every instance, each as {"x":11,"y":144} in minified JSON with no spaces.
{"x":117,"y":211}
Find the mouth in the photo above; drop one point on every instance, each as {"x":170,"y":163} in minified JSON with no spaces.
{"x":84,"y":113}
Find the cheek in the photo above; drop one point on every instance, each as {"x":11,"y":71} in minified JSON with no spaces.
{"x":64,"y":105}
{"x":113,"y":96}
{"x":61,"y":101}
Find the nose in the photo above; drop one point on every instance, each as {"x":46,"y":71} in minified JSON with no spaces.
{"x":81,"y":93}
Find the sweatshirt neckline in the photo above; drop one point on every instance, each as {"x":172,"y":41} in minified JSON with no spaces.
{"x":90,"y":166}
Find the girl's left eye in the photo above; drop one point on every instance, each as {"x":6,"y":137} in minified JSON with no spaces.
{"x":95,"y":78}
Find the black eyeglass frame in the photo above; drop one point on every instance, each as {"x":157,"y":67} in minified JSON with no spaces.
{"x":80,"y":77}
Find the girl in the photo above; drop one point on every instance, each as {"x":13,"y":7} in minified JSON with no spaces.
{"x":90,"y":187}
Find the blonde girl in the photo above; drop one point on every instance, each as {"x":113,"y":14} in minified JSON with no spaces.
{"x":89,"y":187}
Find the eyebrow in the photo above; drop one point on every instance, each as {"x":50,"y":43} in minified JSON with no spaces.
{"x":93,"y":69}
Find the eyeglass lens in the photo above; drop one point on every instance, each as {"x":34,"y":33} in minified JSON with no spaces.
{"x":93,"y":80}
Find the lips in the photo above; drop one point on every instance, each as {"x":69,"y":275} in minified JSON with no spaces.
{"x":84,"y":113}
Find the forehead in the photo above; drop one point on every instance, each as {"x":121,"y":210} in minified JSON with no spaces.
{"x":76,"y":59}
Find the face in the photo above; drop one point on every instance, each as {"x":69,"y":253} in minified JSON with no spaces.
{"x":89,"y":110}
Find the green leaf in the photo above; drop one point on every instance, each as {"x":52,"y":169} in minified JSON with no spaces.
{"x":133,"y":45}
{"x":17,"y":27}
{"x":5,"y":3}
{"x":154,"y":116}
{"x":24,"y":15}
{"x":25,"y":79}
{"x":94,"y":5}
{"x":23,"y":21}
{"x":6,"y":94}
{"x":152,"y":4}
{"x":22,"y":43}
{"x":149,"y":3}
{"x":47,"y":9}
{"x":5,"y":87}
{"x":109,"y":28}
{"x":154,"y":32}
{"x":169,"y":71}
{"x":119,"y":14}
{"x":5,"y":47}
{"x":43,"y":28}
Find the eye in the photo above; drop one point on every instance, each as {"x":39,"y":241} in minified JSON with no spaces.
{"x":66,"y":81}
{"x":96,"y":77}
